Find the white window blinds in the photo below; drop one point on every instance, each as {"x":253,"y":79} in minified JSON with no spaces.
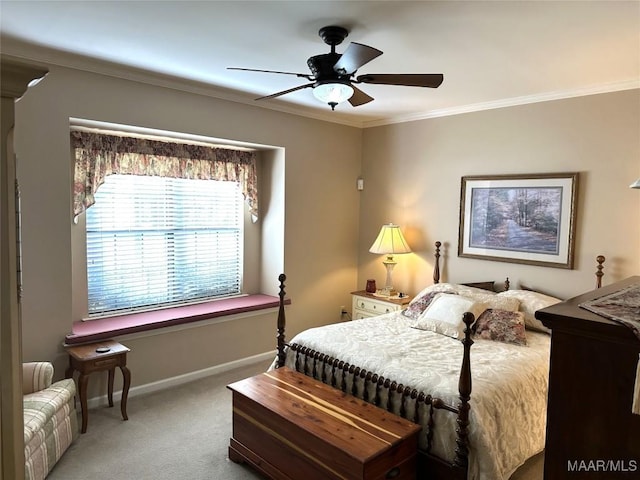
{"x":158,"y":241}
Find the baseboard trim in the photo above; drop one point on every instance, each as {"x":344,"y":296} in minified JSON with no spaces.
{"x":182,"y":379}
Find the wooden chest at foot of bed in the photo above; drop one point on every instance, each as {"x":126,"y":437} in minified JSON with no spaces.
{"x":291,"y":427}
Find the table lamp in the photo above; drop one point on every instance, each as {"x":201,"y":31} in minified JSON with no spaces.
{"x":389,"y":242}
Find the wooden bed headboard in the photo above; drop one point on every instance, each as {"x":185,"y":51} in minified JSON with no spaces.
{"x":489,"y":285}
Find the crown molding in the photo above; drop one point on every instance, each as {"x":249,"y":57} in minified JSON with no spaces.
{"x":17,"y":76}
{"x":42,"y":54}
{"x":510,"y":102}
{"x":29,"y":52}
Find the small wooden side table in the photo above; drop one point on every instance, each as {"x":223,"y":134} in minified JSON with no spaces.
{"x":97,"y":357}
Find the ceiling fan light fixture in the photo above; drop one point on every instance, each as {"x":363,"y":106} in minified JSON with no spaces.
{"x":333,"y":93}
{"x":332,"y":74}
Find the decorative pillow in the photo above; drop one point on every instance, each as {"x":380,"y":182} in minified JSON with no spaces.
{"x":529,"y":303}
{"x":465,"y":290}
{"x":502,"y":326}
{"x":498,"y":302}
{"x":420,"y":304}
{"x":444,"y":314}
{"x":436,"y":287}
{"x":495,"y":301}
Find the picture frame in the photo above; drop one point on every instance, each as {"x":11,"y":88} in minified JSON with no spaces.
{"x":528,"y":219}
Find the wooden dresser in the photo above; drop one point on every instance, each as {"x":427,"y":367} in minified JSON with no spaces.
{"x":591,"y":431}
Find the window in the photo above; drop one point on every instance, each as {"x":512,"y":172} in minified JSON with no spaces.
{"x":159,"y":241}
{"x":101,"y":152}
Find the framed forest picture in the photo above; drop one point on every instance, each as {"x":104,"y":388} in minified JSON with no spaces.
{"x":527,"y":219}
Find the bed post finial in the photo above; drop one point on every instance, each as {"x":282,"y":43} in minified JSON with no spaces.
{"x":281,"y":323}
{"x":464,"y":388}
{"x":436,"y":267}
{"x":599,"y":273}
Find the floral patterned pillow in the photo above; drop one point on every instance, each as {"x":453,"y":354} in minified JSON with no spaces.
{"x":530,"y":302}
{"x":420,"y":304}
{"x":502,"y":326}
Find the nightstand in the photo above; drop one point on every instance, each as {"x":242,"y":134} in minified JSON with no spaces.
{"x":367,"y":305}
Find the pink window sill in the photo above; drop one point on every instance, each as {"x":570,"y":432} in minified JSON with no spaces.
{"x":105,"y":328}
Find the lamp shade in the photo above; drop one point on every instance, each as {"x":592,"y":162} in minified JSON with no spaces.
{"x":635,"y":184}
{"x":333,"y":93}
{"x":390,"y":241}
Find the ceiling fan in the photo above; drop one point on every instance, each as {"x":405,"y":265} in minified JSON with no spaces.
{"x":332,"y":74}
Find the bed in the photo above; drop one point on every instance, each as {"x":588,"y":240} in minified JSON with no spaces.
{"x":417,"y":364}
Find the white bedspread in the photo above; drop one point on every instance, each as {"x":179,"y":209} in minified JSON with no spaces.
{"x":509,"y":396}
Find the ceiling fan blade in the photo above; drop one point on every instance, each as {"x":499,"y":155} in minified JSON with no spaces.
{"x":359,"y":97}
{"x":274,"y":95}
{"x":431,"y":80}
{"x":302,"y":75}
{"x":354,"y":57}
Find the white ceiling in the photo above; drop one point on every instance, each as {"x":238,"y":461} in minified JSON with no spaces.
{"x":491,"y":53}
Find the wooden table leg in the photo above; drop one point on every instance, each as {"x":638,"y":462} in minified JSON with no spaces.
{"x":126,"y":374}
{"x":82,"y":383}
{"x":110,"y":386}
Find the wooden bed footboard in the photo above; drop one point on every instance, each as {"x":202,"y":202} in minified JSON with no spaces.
{"x":369,"y":386}
{"x":396,"y":398}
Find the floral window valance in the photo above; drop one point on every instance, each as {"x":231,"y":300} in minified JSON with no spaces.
{"x":98,"y":155}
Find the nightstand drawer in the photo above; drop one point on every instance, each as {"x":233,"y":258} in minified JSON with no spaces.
{"x":366,"y":305}
{"x":373,"y":306}
{"x":360,"y":314}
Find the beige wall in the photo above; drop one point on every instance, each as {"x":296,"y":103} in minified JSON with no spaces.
{"x":319,"y":161}
{"x":412,"y":177}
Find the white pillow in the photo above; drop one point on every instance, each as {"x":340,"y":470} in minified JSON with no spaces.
{"x":444,"y":314}
{"x":453,"y":288}
{"x":420,"y":304}
{"x":436,"y":287}
{"x":497,"y":302}
{"x":529,"y":303}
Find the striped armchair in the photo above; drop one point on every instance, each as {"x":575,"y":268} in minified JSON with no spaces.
{"x":50,"y":420}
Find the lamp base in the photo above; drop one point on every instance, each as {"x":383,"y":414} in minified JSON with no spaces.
{"x":389,"y":263}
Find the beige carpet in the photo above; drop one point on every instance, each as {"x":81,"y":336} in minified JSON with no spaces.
{"x":178,"y":433}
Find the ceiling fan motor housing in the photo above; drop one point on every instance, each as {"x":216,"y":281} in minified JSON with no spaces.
{"x":321,"y":67}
